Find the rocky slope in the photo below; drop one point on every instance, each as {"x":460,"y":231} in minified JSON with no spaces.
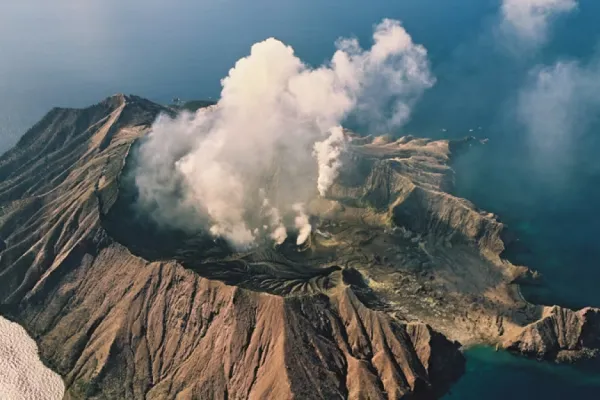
{"x":396,"y":272}
{"x":560,"y":335}
{"x":445,"y":265}
{"x":115,"y":325}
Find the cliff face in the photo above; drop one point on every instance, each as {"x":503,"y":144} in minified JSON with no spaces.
{"x":396,"y":271}
{"x":560,"y":335}
{"x":436,"y":258}
{"x":52,"y":182}
{"x":410,"y":179}
{"x":115,"y":325}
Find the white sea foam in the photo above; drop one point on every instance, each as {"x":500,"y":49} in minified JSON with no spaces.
{"x":22,"y":374}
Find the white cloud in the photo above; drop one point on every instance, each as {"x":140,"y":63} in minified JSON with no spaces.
{"x":557,"y":107}
{"x":530,"y":19}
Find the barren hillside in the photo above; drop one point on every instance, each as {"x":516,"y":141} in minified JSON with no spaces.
{"x":397,"y":274}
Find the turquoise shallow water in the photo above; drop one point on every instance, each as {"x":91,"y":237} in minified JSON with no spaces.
{"x":74,"y":53}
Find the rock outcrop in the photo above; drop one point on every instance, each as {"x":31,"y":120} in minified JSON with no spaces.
{"x":560,"y":335}
{"x":411,"y":179}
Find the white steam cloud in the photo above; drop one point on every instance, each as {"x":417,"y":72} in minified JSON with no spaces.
{"x":302,"y":223}
{"x":328,"y":154}
{"x":530,"y":19}
{"x":275,"y":222}
{"x":275,"y":140}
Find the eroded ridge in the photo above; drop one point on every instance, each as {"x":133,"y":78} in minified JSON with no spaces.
{"x":397,"y":270}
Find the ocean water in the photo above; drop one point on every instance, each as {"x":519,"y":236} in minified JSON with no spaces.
{"x":22,"y":375}
{"x":501,"y":375}
{"x":71,"y":53}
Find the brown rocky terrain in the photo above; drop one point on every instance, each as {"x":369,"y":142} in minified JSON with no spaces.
{"x":398,"y":273}
{"x":561,"y":335}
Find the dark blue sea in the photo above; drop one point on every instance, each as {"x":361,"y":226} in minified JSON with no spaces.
{"x":547,"y":190}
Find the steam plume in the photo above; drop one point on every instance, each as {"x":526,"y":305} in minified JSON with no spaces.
{"x":275,"y":222}
{"x":328,"y":157}
{"x":302,"y":223}
{"x":275,"y":139}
